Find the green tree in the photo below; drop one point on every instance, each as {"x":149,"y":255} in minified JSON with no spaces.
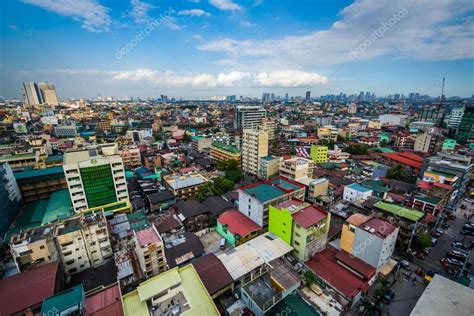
{"x":309,"y":278}
{"x":422,"y":241}
{"x":357,"y":149}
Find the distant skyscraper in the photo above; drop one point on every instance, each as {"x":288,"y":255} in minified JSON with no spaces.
{"x":41,"y":93}
{"x":286,"y":97}
{"x":308,"y":96}
{"x":265,"y":97}
{"x":48,"y":93}
{"x":164,"y":98}
{"x":31,"y":93}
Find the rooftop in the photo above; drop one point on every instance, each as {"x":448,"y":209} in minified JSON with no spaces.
{"x":403,"y":158}
{"x":358,"y":187}
{"x":238,"y":223}
{"x":32,"y":173}
{"x":212,"y":273}
{"x":225,"y":147}
{"x":105,"y":302}
{"x":183,"y":284}
{"x":27,"y":289}
{"x":147,"y":236}
{"x":63,"y":301}
{"x":180,"y":182}
{"x":443,"y":297}
{"x":398,"y":210}
{"x":254,"y":253}
{"x":380,"y":227}
{"x":325,"y":265}
{"x":271,"y":189}
{"x":309,"y":216}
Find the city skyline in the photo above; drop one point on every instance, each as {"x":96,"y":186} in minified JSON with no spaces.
{"x":195,"y":49}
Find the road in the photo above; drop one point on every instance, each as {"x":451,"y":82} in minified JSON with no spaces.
{"x":406,"y":292}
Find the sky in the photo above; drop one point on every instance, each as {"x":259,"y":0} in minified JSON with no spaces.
{"x":204,"y":48}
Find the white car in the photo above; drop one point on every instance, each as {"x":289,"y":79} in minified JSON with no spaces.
{"x":470,"y":200}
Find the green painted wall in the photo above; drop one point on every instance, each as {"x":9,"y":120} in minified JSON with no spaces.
{"x":280,"y":223}
{"x":225,"y":234}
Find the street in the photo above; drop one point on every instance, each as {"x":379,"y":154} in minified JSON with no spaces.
{"x":406,"y":292}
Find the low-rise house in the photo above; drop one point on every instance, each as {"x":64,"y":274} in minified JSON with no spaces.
{"x":355,"y":191}
{"x":213,"y":275}
{"x":236,"y":228}
{"x":193,"y":214}
{"x":183,"y":250}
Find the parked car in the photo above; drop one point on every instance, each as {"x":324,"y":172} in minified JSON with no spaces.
{"x":434,"y":241}
{"x":460,"y":245}
{"x":388,"y":297}
{"x":467,"y":232}
{"x":463,"y":207}
{"x":437,"y":232}
{"x":463,"y":251}
{"x":405,"y":265}
{"x":452,"y":262}
{"x":459,"y":253}
{"x":470,"y":200}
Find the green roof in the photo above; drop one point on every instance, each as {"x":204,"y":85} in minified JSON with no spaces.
{"x":376,"y":185}
{"x":385,"y":150}
{"x":32,"y":173}
{"x":54,"y":158}
{"x":64,"y":300}
{"x":400,"y":211}
{"x":225,"y":147}
{"x":264,"y":192}
{"x":16,"y":156}
{"x":428,"y":199}
{"x":41,"y":212}
{"x":138,"y":221}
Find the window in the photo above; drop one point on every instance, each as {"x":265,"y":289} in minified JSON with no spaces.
{"x":297,"y":243}
{"x":41,"y":247}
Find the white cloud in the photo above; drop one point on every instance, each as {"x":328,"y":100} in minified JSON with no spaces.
{"x":280,"y":78}
{"x":140,"y":11}
{"x":427,"y":30}
{"x":289,"y":78}
{"x":247,"y":24}
{"x":94,"y":16}
{"x":194,"y":12}
{"x":225,"y":5}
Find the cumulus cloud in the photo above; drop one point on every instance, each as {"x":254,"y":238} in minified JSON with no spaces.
{"x":94,"y":16}
{"x":194,"y":12}
{"x":424,"y":29}
{"x":225,"y":5}
{"x":280,"y":78}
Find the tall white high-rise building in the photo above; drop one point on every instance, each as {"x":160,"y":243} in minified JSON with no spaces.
{"x":95,"y":179}
{"x":254,"y":147}
{"x":249,"y":117}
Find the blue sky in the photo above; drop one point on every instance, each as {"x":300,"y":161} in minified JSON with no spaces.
{"x":203,"y":48}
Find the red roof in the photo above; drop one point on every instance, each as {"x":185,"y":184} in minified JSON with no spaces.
{"x":27,"y":289}
{"x":238,"y":223}
{"x":411,"y":156}
{"x":398,"y":157}
{"x":147,"y":236}
{"x":443,"y":186}
{"x":424,"y":185}
{"x":325,"y":265}
{"x":356,"y":264}
{"x":309,"y":216}
{"x":105,"y":302}
{"x":382,"y":227}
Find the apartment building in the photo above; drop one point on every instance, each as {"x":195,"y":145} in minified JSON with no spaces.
{"x":33,"y":248}
{"x":222,"y":152}
{"x":150,"y":251}
{"x":268,"y":167}
{"x":184,"y":186}
{"x":10,"y":196}
{"x":269,"y":126}
{"x":131,"y":157}
{"x":83,"y":242}
{"x":319,"y":153}
{"x":255,"y":199}
{"x":301,"y":225}
{"x":315,"y":187}
{"x":355,"y":191}
{"x":296,"y":168}
{"x":201,"y":143}
{"x":369,"y":239}
{"x":328,"y":132}
{"x":93,"y":179}
{"x":104,"y":126}
{"x":249,"y":117}
{"x":254,"y":147}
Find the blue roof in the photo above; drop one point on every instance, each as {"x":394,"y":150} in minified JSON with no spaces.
{"x":358,"y":187}
{"x":38,"y":172}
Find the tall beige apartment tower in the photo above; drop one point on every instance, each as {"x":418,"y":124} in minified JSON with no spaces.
{"x":254,"y":147}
